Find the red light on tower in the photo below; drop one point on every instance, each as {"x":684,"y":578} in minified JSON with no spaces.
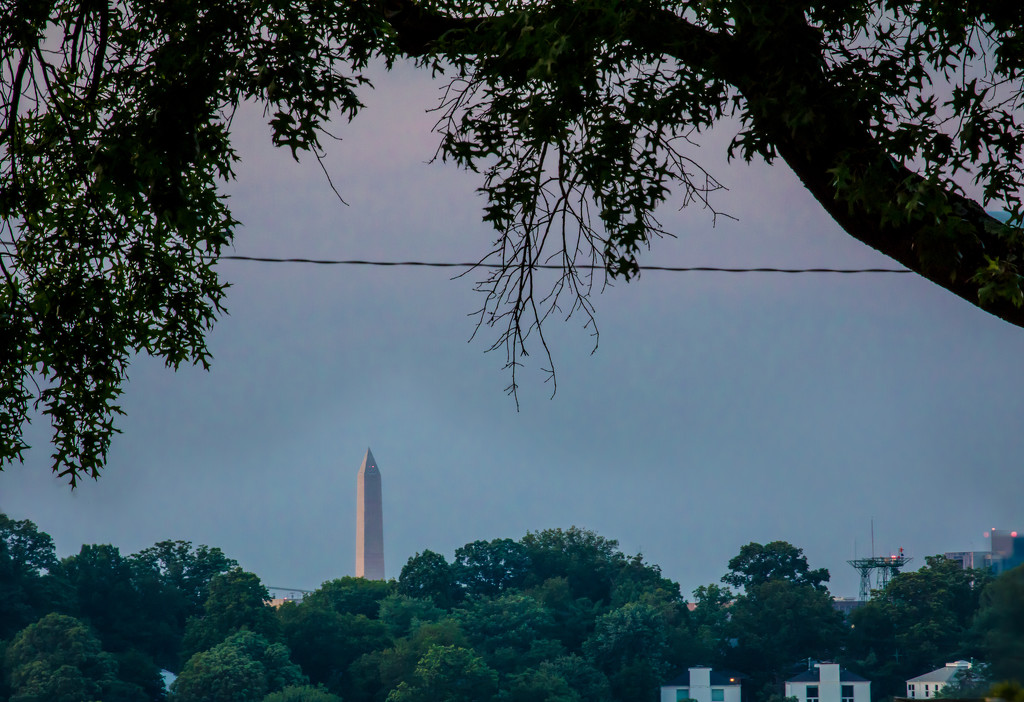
{"x":1013,"y":534}
{"x":986,"y":534}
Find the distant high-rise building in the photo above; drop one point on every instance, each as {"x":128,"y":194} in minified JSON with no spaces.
{"x":369,"y":521}
{"x":1006,"y":552}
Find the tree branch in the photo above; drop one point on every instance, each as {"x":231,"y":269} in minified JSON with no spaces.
{"x":768,"y":57}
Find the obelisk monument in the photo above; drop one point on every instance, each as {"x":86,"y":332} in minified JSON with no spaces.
{"x":369,"y":521}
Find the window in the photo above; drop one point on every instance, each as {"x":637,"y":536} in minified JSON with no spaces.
{"x":717,"y":694}
{"x":812,"y":693}
{"x":911,"y":690}
{"x":682,"y":694}
{"x":847,"y":693}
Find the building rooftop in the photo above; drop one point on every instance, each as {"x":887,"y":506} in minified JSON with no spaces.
{"x":719,"y":678}
{"x":943,"y":674}
{"x":815,"y":676}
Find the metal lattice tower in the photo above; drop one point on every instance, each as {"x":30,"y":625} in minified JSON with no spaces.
{"x":882,"y":567}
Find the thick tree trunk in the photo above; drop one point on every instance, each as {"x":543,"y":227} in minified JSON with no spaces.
{"x":930,"y":251}
{"x":948,"y":249}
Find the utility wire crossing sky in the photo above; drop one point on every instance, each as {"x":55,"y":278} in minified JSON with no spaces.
{"x":552,"y":266}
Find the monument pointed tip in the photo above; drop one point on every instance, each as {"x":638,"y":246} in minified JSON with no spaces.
{"x":369,"y":463}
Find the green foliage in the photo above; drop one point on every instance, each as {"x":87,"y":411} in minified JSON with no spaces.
{"x":587,"y":681}
{"x":105,"y":595}
{"x":401,"y":614}
{"x":137,"y":605}
{"x":757,"y":564}
{"x":638,"y":581}
{"x":919,"y":622}
{"x":140,"y":671}
{"x":325,"y":642}
{"x":778,"y":623}
{"x":573,"y":616}
{"x":27,"y":588}
{"x":448,"y":673}
{"x":302,"y":693}
{"x":115,"y":138}
{"x":398,"y":663}
{"x":185,"y":570}
{"x":58,"y":659}
{"x":587,"y":561}
{"x":350,"y":595}
{"x":542,"y":684}
{"x":237,"y":600}
{"x":244,"y":667}
{"x":429,"y":575}
{"x":999,"y":625}
{"x":490,"y":568}
{"x":512,"y":632}
{"x":173,"y":580}
{"x":932,"y":609}
{"x":709,"y":620}
{"x":784,"y":615}
{"x":632,"y":631}
{"x":557,"y":635}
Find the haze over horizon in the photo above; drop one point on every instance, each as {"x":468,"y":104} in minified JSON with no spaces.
{"x":717,"y":409}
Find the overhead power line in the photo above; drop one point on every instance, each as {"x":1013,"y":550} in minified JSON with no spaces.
{"x":453,"y":264}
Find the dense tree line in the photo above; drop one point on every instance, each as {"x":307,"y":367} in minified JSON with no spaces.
{"x":558,"y":615}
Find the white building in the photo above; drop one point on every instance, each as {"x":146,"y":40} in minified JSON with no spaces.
{"x":929,"y":684}
{"x":703,"y":685}
{"x":826,"y":682}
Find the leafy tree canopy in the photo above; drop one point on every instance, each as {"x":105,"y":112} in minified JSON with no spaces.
{"x":920,"y":621}
{"x":542,"y":684}
{"x":491,"y":567}
{"x":778,"y":624}
{"x":899,"y":116}
{"x":242,"y":668}
{"x":429,"y":575}
{"x":624,"y":635}
{"x":350,"y":595}
{"x":513,"y":631}
{"x":448,"y":673}
{"x":237,"y":600}
{"x":588,"y":561}
{"x":757,"y":564}
{"x":999,"y":625}
{"x":398,"y":663}
{"x":784,"y":615}
{"x":185,"y":569}
{"x":302,"y":693}
{"x":325,"y":642}
{"x":586,"y":680}
{"x":58,"y":659}
{"x":106,"y":595}
{"x":27,"y":589}
{"x":401,"y":614}
{"x":25,"y":547}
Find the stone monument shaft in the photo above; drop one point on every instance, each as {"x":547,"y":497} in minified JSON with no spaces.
{"x":369,"y":522}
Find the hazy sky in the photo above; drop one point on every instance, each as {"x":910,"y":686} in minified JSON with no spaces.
{"x":719,"y":409}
